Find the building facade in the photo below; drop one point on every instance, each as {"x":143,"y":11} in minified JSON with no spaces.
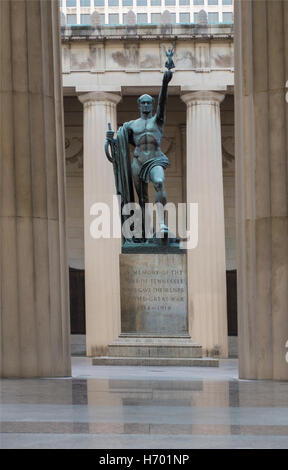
{"x":146,"y":11}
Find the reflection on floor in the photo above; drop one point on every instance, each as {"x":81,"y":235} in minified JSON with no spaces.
{"x":144,"y":407}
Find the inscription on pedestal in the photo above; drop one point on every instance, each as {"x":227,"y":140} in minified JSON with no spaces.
{"x":153,"y":294}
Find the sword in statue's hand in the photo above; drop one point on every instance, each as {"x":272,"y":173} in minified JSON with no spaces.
{"x":109,"y":144}
{"x":111,"y":153}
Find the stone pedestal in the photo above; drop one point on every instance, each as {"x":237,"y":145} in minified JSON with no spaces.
{"x":154,"y":319}
{"x":153,"y":290}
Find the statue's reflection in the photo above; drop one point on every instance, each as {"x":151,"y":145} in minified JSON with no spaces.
{"x":144,"y":406}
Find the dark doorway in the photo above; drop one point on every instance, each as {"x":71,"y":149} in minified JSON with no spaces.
{"x":77,"y":301}
{"x":231,"y":283}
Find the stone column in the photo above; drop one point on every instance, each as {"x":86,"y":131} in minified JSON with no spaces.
{"x":206,"y":263}
{"x":184,"y":160}
{"x":102,"y":279}
{"x":261,"y":125}
{"x":34,"y":305}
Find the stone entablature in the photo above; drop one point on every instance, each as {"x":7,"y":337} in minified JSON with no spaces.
{"x":136,"y":51}
{"x":173,"y":31}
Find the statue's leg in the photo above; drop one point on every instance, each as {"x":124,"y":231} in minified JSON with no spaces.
{"x":157,"y":178}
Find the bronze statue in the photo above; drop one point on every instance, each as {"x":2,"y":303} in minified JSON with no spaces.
{"x":149,"y":162}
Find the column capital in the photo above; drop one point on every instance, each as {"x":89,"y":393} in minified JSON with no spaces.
{"x":99,"y":96}
{"x":203,"y":97}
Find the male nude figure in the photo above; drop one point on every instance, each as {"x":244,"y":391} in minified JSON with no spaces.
{"x":145,"y":134}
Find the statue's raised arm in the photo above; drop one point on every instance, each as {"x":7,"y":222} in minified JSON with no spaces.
{"x":163,"y":96}
{"x":162,"y":100}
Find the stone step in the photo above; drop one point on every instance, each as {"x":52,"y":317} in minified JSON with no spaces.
{"x":144,"y":339}
{"x":155,"y":361}
{"x":154,"y":347}
{"x":152,"y":350}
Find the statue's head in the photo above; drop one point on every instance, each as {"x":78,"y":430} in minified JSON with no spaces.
{"x":146,"y":104}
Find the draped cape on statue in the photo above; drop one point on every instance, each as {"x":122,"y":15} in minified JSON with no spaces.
{"x":162,"y":160}
{"x":122,"y":166}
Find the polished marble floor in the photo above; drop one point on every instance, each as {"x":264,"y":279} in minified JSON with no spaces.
{"x":144,"y":407}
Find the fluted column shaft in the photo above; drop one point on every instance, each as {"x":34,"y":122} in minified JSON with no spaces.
{"x":34,"y":303}
{"x":261,"y":125}
{"x":102,"y":278}
{"x":206,"y":262}
{"x":184,"y":161}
